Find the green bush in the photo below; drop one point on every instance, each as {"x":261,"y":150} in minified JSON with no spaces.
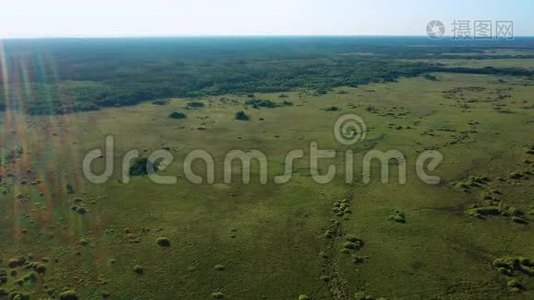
{"x":195,"y":104}
{"x":177,"y":115}
{"x":68,"y":295}
{"x":140,"y":166}
{"x":241,"y":116}
{"x":163,"y":242}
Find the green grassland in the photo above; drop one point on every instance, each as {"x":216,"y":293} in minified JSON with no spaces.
{"x":254,"y":241}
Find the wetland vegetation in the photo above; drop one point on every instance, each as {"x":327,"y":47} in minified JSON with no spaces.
{"x":468,"y":237}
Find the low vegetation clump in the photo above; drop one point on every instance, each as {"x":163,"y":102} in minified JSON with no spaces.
{"x":497,"y":208}
{"x":3,"y":276}
{"x":163,"y":242}
{"x":430,"y":77}
{"x":303,"y":297}
{"x":177,"y":115}
{"x":334,"y":230}
{"x":69,"y":188}
{"x":482,"y":212}
{"x":398,"y":217}
{"x":332,"y":108}
{"x":241,"y":116}
{"x":30,"y":277}
{"x":477,"y":180}
{"x":160,"y":101}
{"x":219,"y":268}
{"x":511,"y":265}
{"x":81,"y":210}
{"x":359,"y":259}
{"x":260,"y":103}
{"x":39,"y":267}
{"x":194,"y":104}
{"x":68,"y":295}
{"x":519,"y":220}
{"x":138,"y":269}
{"x":342,"y":208}
{"x":354,"y":241}
{"x":351,"y":246}
{"x":517,"y":175}
{"x":16,"y":262}
{"x":515,"y":285}
{"x":217,"y":295}
{"x":362,"y":295}
{"x":140,"y":166}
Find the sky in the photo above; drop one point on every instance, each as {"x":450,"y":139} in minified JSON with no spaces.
{"x":114,"y":18}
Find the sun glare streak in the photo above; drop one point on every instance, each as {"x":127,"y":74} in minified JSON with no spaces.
{"x":47,"y":142}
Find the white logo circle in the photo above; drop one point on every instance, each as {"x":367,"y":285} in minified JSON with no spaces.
{"x":435,"y":29}
{"x":350,"y":129}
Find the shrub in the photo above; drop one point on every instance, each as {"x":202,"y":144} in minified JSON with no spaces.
{"x":217,"y":295}
{"x":257,"y":103}
{"x":160,"y":101}
{"x":138,"y":269}
{"x":430,"y":77}
{"x":3,"y":276}
{"x":163,"y":242}
{"x":398,"y":217}
{"x":519,"y":220}
{"x":16,"y":262}
{"x":177,"y":115}
{"x":32,"y":277}
{"x":68,"y":295}
{"x":241,"y":116}
{"x":81,"y":210}
{"x":39,"y":268}
{"x":321,"y":91}
{"x":353,"y":242}
{"x":362,"y":296}
{"x":351,"y":246}
{"x":514,"y":283}
{"x":195,"y":104}
{"x":287,"y":103}
{"x":70,"y":188}
{"x":332,"y":108}
{"x":359,"y":259}
{"x":140,"y":166}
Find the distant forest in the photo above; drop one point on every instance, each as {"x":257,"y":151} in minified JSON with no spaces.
{"x":55,"y":76}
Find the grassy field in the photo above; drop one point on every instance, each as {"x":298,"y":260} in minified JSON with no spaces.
{"x":254,"y":241}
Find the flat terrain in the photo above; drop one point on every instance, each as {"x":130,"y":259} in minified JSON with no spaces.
{"x":527,"y":63}
{"x":279,"y":241}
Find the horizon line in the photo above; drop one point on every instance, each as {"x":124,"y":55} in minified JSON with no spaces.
{"x":247,"y":36}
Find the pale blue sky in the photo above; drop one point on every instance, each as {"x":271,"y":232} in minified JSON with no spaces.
{"x":84,"y":18}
